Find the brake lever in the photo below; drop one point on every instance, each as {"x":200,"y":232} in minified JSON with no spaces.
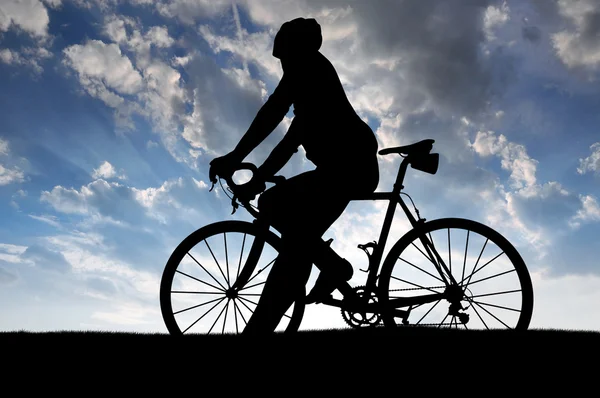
{"x":234,"y":204}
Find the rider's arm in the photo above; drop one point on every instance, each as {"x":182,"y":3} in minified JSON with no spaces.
{"x":280,"y":154}
{"x":267,"y":118}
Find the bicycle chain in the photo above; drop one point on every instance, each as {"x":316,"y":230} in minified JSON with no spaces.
{"x":417,"y":288}
{"x":421,"y":288}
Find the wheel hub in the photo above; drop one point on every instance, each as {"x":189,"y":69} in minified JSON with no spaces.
{"x":231,"y":293}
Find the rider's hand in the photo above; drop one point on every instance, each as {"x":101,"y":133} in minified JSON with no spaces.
{"x":248,"y":191}
{"x":223,"y":166}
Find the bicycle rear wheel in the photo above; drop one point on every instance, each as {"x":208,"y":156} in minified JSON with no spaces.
{"x":495,"y":286}
{"x":213,"y":279}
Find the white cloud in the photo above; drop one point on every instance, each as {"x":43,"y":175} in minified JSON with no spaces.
{"x":589,"y":212}
{"x":48,"y":219}
{"x":97,"y":62}
{"x":3,"y":147}
{"x":494,"y":17}
{"x":28,"y":15}
{"x":514,"y":157}
{"x":591,"y":163}
{"x":28,"y":56}
{"x":579,"y":47}
{"x":10,"y":175}
{"x":106,"y":171}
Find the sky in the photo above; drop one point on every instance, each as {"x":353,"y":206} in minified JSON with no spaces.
{"x":110,"y":112}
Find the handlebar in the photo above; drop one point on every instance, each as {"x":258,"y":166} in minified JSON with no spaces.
{"x":233,"y":186}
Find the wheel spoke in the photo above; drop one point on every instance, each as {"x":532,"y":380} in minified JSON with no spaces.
{"x":420,"y":269}
{"x":237,"y":330}
{"x":248,"y":300}
{"x":240,"y":311}
{"x":218,"y":265}
{"x":226,"y":259}
{"x":250,"y":287}
{"x":490,"y":277}
{"x":266,"y":266}
{"x":413,"y":284}
{"x":477,"y":312}
{"x":427,"y":313}
{"x":179,"y":291}
{"x":465,"y":261}
{"x":241,"y":255}
{"x":206,"y":313}
{"x":482,"y":267}
{"x":225,"y":320}
{"x":196,"y":306}
{"x":246,"y":305}
{"x":497,"y":306}
{"x":205,"y":270}
{"x":218,"y":316}
{"x":449,"y":254}
{"x":196,"y":279}
{"x":423,"y":253}
{"x":495,"y":317}
{"x":478,"y":258}
{"x":495,"y":294}
{"x":441,"y":323}
{"x":248,"y":294}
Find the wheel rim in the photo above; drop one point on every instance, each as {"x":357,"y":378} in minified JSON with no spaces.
{"x":495,"y":285}
{"x":197,"y":289}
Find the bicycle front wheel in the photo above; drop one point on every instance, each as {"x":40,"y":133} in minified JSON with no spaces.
{"x":214,"y":278}
{"x":495,"y":286}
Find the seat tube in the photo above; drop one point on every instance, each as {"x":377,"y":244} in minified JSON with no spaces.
{"x":387,"y":223}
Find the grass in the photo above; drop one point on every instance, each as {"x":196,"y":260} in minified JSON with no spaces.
{"x":346,"y":356}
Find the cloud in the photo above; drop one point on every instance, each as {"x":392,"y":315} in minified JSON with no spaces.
{"x":531,"y":33}
{"x":514,"y":157}
{"x":29,"y":15}
{"x":589,"y":212}
{"x":493,"y":17}
{"x":106,"y":171}
{"x":103,"y":65}
{"x":46,"y":259}
{"x":48,"y":219}
{"x":591,"y":164}
{"x":579,"y":46}
{"x":9,"y":174}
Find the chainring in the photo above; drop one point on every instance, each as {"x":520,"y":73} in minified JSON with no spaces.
{"x":361,"y":319}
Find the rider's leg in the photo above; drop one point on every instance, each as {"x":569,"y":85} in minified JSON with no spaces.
{"x":302,"y":217}
{"x":284,"y":285}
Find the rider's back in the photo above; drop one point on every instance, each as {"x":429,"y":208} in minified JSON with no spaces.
{"x":330,"y":129}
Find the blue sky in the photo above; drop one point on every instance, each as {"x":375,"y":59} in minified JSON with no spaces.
{"x":111,"y":111}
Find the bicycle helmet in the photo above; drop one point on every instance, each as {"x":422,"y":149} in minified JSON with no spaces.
{"x":296,"y":37}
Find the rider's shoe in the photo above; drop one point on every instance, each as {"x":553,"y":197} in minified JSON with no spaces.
{"x":328,"y":281}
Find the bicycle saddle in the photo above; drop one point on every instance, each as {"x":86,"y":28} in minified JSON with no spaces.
{"x":424,"y":146}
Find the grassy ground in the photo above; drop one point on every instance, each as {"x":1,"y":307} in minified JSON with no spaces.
{"x":379,"y":357}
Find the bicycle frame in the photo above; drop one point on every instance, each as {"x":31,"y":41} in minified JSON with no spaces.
{"x":394,"y":198}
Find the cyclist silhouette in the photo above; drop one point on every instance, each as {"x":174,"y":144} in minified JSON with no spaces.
{"x":339,"y":143}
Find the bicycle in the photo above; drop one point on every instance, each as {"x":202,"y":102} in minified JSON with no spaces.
{"x":375,"y":304}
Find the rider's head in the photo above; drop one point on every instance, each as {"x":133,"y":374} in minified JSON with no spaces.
{"x":297,"y":37}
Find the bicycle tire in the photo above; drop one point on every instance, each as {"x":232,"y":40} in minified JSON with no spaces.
{"x":200,"y":235}
{"x":400,"y":247}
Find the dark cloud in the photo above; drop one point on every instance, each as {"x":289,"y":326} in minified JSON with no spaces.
{"x":531,"y":33}
{"x":46,"y":259}
{"x":440,"y":45}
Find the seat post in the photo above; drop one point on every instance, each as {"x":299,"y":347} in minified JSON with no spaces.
{"x":400,"y":178}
